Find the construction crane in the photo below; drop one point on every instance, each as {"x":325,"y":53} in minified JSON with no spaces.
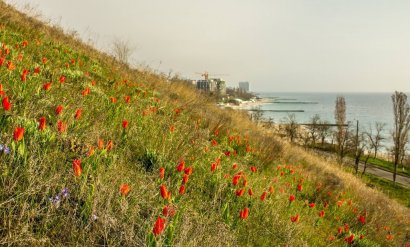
{"x":206,"y":75}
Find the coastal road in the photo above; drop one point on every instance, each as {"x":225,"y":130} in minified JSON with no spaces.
{"x":371,"y":169}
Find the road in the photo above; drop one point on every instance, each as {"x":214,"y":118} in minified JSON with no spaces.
{"x":371,"y":169}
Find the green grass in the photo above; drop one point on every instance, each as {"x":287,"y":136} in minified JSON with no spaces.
{"x":45,"y":200}
{"x":397,"y":192}
{"x":387,"y":165}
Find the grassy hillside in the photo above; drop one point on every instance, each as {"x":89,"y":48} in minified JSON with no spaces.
{"x":95,"y":153}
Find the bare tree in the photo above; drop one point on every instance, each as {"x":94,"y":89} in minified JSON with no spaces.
{"x":313,"y":128}
{"x":291,"y":127}
{"x":323,"y":130}
{"x":122,"y":50}
{"x":341,"y":132}
{"x":400,"y":133}
{"x":376,"y":138}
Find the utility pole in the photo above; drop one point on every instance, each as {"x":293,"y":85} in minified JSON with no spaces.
{"x":357,"y":155}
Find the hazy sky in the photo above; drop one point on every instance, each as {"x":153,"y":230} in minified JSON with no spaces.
{"x":276,"y":45}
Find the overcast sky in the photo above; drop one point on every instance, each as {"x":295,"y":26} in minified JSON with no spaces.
{"x":276,"y":45}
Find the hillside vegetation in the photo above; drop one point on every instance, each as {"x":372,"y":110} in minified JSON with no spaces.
{"x":96,"y":153}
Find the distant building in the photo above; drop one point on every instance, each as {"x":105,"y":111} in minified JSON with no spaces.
{"x":244,"y":86}
{"x":215,"y":85}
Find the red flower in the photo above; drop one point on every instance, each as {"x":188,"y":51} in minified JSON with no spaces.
{"x":294,"y":218}
{"x":299,"y":187}
{"x":389,"y":237}
{"x":361,"y":219}
{"x":6,"y":103}
{"x":124,"y":124}
{"x":182,"y":190}
{"x":24,"y":75}
{"x":59,"y":109}
{"x":321,"y":214}
{"x":250,"y":192}
{"x":181,"y":166}
{"x":361,"y":236}
{"x":234,"y":166}
{"x":37,"y":70}
{"x":18,"y":134}
{"x":42,"y":123}
{"x":62,"y":79}
{"x":61,"y":126}
{"x":78,"y":114}
{"x":169,"y":211}
{"x":24,"y":43}
{"x":263,"y":196}
{"x":188,"y":171}
{"x":109,"y":145}
{"x":77,"y":167}
{"x":127,"y":99}
{"x":164,"y":192}
{"x":113,"y":100}
{"x":214,"y":143}
{"x":159,"y":226}
{"x":125,"y":189}
{"x":240,"y":192}
{"x":10,"y":65}
{"x":349,"y":239}
{"x":44,"y":60}
{"x":213,"y":167}
{"x":47,"y":86}
{"x":312,"y":205}
{"x":162,"y":172}
{"x":185,"y":179}
{"x":87,"y":91}
{"x":100,"y":144}
{"x":90,"y":151}
{"x":244,"y":213}
{"x":292,"y":198}
{"x":253,"y":168}
{"x":235,"y":179}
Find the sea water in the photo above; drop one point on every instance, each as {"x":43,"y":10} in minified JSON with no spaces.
{"x":367,"y":108}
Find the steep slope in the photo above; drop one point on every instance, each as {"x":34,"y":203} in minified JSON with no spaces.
{"x":95,"y":153}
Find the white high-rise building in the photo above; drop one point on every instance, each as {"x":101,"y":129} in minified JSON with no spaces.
{"x":244,"y":86}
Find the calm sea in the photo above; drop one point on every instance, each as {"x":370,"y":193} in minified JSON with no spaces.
{"x":368,"y":108}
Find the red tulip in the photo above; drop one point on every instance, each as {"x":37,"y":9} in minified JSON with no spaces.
{"x":292,"y":198}
{"x":321,"y":214}
{"x":113,"y":100}
{"x":182,"y":190}
{"x":44,"y":60}
{"x":127,"y":99}
{"x":312,"y":205}
{"x":10,"y":65}
{"x":295,"y":218}
{"x":244,"y":213}
{"x":109,"y":145}
{"x":100,"y":144}
{"x":181,"y":166}
{"x":299,"y":187}
{"x":235,"y":179}
{"x":361,"y":219}
{"x":6,"y":103}
{"x":185,"y":179}
{"x":37,"y":70}
{"x":263,"y":196}
{"x":59,"y":109}
{"x":159,"y":226}
{"x":124,"y":124}
{"x":169,"y":211}
{"x":162,"y":172}
{"x":18,"y":134}
{"x":47,"y":86}
{"x":61,"y":126}
{"x":77,"y":167}
{"x":125,"y":189}
{"x":86,"y":91}
{"x":188,"y":171}
{"x":253,"y":168}
{"x":213,"y":167}
{"x":214,"y":143}
{"x":240,"y":192}
{"x":90,"y":151}
{"x":349,"y":239}
{"x":42,"y":123}
{"x":24,"y":75}
{"x":78,"y":113}
{"x":164,"y":192}
{"x":62,"y":79}
{"x":250,"y":192}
